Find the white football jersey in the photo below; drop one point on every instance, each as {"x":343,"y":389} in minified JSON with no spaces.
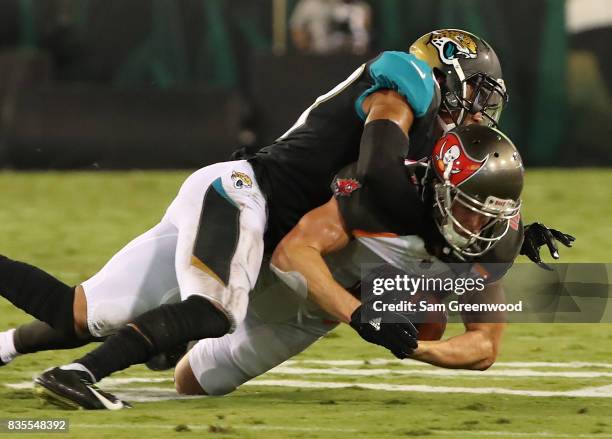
{"x":276,"y":298}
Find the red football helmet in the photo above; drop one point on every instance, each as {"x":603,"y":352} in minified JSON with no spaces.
{"x":479,"y":169}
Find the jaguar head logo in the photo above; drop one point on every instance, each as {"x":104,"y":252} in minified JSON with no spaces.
{"x":452,"y":45}
{"x":241,"y":180}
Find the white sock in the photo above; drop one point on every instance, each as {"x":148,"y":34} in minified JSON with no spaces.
{"x":79,"y":367}
{"x":7,"y":346}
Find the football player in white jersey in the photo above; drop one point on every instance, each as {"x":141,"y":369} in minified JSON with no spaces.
{"x":278,"y":325}
{"x":475,"y":195}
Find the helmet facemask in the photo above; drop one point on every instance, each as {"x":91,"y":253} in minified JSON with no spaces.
{"x":477,"y":93}
{"x":460,"y":238}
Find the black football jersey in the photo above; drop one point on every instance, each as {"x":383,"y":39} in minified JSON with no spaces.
{"x":296,"y":171}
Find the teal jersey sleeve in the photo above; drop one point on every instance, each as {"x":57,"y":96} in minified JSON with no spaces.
{"x":403,"y":72}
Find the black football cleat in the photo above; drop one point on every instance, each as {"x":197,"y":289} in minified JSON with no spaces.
{"x":73,"y":389}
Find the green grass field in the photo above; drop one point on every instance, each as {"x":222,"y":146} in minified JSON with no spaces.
{"x":550,"y":381}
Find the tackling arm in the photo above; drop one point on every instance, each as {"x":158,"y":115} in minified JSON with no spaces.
{"x":319,"y":232}
{"x":476,"y":348}
{"x":388,"y":105}
{"x":384,"y":145}
{"x":384,"y":142}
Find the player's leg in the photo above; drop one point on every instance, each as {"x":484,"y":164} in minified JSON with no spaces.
{"x":219,"y":366}
{"x":218,"y":255}
{"x":62,"y":307}
{"x":33,"y":337}
{"x":39,"y":294}
{"x":219,"y":251}
{"x":136,"y":279}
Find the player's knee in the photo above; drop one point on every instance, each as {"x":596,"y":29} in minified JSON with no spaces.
{"x":219,"y":380}
{"x":185,"y":381}
{"x":231,"y":301}
{"x":212,"y":380}
{"x":217,"y":389}
{"x":186,"y":387}
{"x":172,"y":324}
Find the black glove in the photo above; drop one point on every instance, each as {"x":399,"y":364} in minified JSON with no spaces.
{"x":399,"y":338}
{"x":536,"y":235}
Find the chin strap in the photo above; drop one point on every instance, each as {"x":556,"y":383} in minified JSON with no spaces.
{"x":454,"y":237}
{"x":448,"y":228}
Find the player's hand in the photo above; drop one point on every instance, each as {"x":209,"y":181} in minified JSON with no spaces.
{"x":399,"y":338}
{"x":537,"y":235}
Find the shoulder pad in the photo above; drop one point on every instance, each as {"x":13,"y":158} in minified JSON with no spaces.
{"x":404,"y":73}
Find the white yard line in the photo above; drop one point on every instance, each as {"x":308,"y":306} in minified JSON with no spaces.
{"x":511,"y":373}
{"x":340,"y":371}
{"x":413,"y":363}
{"x":120,"y":381}
{"x":149,"y":394}
{"x":514,"y":369}
{"x":110,"y":382}
{"x":24,"y":385}
{"x":588,"y":392}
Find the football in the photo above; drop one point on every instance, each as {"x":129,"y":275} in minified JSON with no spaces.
{"x":431,"y":316}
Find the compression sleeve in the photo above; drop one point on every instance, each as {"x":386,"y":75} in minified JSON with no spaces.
{"x":380,"y":166}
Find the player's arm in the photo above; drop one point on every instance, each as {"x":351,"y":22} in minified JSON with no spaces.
{"x":384,"y":146}
{"x":403,"y":89}
{"x":319,"y":232}
{"x":476,"y":348}
{"x":388,"y":105}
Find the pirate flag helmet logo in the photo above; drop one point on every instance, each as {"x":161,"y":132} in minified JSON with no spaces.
{"x":450,"y":157}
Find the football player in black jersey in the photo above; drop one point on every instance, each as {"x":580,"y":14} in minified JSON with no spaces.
{"x":449,"y":77}
{"x":391,"y":108}
{"x":466,"y":208}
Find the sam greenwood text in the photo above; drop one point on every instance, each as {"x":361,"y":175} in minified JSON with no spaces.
{"x":452,"y":306}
